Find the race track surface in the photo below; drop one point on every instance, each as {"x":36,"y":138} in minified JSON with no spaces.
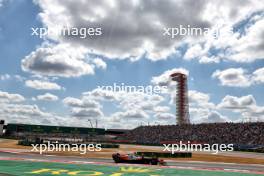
{"x":36,"y":162}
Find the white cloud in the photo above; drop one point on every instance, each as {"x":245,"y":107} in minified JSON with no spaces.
{"x":19,"y":78}
{"x":144,"y":35}
{"x":202,"y":110}
{"x":200,"y":99}
{"x":127,"y":107}
{"x":84,"y":107}
{"x":68,"y":56}
{"x":164,"y":78}
{"x":231,"y":102}
{"x":31,"y":114}
{"x":258,"y":75}
{"x":138,"y":101}
{"x":8,"y":97}
{"x":121,"y":38}
{"x":73,"y":102}
{"x":47,"y":97}
{"x":194,"y":51}
{"x":255,"y":114}
{"x":5,"y":77}
{"x":235,"y":77}
{"x":101,"y":94}
{"x":1,"y":3}
{"x":246,"y":106}
{"x":215,"y":117}
{"x":14,"y":111}
{"x":99,"y":63}
{"x":24,"y":110}
{"x":161,"y":109}
{"x":249,"y":47}
{"x":42,"y":85}
{"x":205,"y":115}
{"x":236,"y":42}
{"x":83,"y":113}
{"x":239,"y":77}
{"x":165,"y":116}
{"x":131,"y":114}
{"x":126,"y":100}
{"x":60,"y":60}
{"x":209,"y":59}
{"x":81,"y":103}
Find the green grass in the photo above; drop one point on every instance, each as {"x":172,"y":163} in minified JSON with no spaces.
{"x":26,"y":168}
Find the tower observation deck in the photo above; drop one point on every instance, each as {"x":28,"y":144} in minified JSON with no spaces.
{"x":182,"y":104}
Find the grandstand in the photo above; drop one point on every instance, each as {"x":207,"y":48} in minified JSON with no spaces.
{"x":61,"y":133}
{"x":248,"y":135}
{"x":13,"y":129}
{"x":53,"y":133}
{"x":242,"y":135}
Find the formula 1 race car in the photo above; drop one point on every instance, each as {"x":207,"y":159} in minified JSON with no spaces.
{"x":136,"y":159}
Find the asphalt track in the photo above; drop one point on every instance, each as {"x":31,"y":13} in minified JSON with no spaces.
{"x":247,"y":168}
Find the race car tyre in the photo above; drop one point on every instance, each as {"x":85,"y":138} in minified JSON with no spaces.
{"x":153,"y":162}
{"x":116,"y":158}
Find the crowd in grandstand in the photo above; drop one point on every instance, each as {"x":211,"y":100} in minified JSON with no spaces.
{"x":221,"y":133}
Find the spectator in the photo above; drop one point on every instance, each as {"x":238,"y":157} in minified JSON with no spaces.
{"x":221,"y":133}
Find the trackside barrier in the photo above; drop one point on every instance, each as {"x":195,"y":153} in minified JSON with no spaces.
{"x":166,"y":155}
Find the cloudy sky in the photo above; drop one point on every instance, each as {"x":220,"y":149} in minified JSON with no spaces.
{"x":54,"y":79}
